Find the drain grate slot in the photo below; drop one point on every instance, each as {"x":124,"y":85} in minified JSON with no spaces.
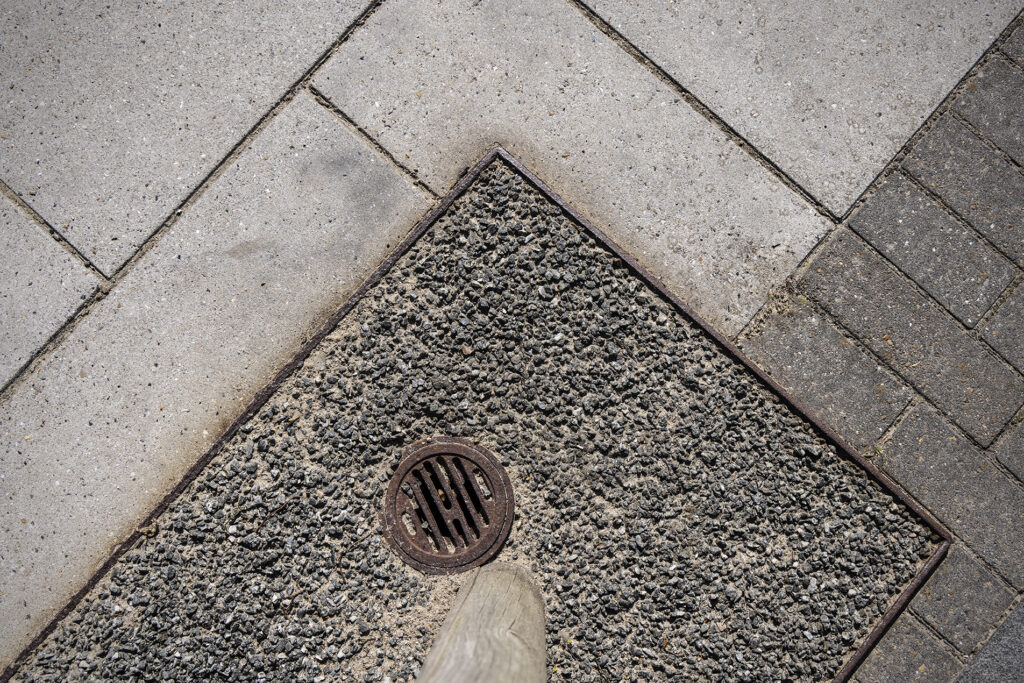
{"x":449,"y":506}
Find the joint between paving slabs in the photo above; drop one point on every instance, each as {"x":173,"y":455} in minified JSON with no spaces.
{"x":1011,"y":61}
{"x":789,"y":292}
{"x":909,"y":383}
{"x":966,"y":123}
{"x":53,"y":232}
{"x":952,"y":213}
{"x":109,"y":282}
{"x":954,"y":537}
{"x":909,"y":281}
{"x":944,"y":642}
{"x":932,"y":119}
{"x":998,"y":302}
{"x":55,"y":339}
{"x":786,"y":290}
{"x":919,"y":399}
{"x":1014,"y":601}
{"x":701,"y":108}
{"x":327,"y":104}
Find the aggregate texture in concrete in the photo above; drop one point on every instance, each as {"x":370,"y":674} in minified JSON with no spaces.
{"x":114,"y":112}
{"x":41,"y":285}
{"x":915,"y":336}
{"x":114,"y":416}
{"x":950,"y":261}
{"x":437,"y":84}
{"x":908,"y":652}
{"x":962,"y":486}
{"x":680,"y":519}
{"x":842,"y":383}
{"x":975,"y":180}
{"x":963,"y":600}
{"x":828,"y":90}
{"x":1001,"y":658}
{"x":994,"y":104}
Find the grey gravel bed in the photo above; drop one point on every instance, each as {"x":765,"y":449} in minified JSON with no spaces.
{"x":681,"y":521}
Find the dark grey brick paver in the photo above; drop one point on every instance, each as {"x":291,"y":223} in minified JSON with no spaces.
{"x":961,"y":486}
{"x":1002,"y":658}
{"x":908,"y":652}
{"x":1010,"y":450}
{"x":1005,"y":329}
{"x":1014,"y":46}
{"x":949,"y":261}
{"x":962,"y":600}
{"x":849,"y":389}
{"x":994,"y":103}
{"x":979,"y":184}
{"x":915,"y":336}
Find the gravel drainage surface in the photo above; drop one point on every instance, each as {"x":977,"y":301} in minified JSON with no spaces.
{"x":681,"y":520}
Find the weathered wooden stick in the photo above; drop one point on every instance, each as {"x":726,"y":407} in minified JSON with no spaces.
{"x":494,"y":632}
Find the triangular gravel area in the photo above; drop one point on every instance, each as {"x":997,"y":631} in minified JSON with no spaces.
{"x":681,"y":520}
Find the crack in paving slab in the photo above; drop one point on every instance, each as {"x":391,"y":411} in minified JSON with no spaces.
{"x":680,"y":518}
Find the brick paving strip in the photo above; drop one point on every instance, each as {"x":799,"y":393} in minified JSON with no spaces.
{"x":926,"y":282}
{"x":103,"y":403}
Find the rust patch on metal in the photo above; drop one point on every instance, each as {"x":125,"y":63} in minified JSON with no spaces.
{"x":449,"y":506}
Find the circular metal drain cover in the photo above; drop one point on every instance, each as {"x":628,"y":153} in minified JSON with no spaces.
{"x":449,"y":506}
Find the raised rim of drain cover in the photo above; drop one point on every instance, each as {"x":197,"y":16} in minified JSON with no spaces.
{"x":455,"y":523}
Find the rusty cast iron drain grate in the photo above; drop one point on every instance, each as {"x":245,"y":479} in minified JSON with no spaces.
{"x":449,"y":506}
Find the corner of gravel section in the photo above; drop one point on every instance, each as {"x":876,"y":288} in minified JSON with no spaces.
{"x":680,"y":520}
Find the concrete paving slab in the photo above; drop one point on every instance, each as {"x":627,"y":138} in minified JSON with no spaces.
{"x":847,"y":387}
{"x":112,"y":419}
{"x":963,"y":600}
{"x":829,"y":91}
{"x":1014,"y":45}
{"x":112,"y":114}
{"x":1001,"y":658}
{"x":948,"y":260}
{"x":1005,"y":329}
{"x":975,"y":181}
{"x":915,"y":336}
{"x":1010,"y":450}
{"x":908,"y":652}
{"x":41,"y":285}
{"x":439,"y":83}
{"x":961,"y":486}
{"x":994,"y":103}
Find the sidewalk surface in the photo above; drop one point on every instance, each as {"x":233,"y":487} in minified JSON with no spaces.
{"x":189,"y":191}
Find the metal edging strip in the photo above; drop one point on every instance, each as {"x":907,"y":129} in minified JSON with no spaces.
{"x":377,"y":275}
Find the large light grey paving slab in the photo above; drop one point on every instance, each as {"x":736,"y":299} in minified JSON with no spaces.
{"x":437,"y":84}
{"x":105,"y":426}
{"x":111,"y":114}
{"x":830,"y":91}
{"x":41,"y":285}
